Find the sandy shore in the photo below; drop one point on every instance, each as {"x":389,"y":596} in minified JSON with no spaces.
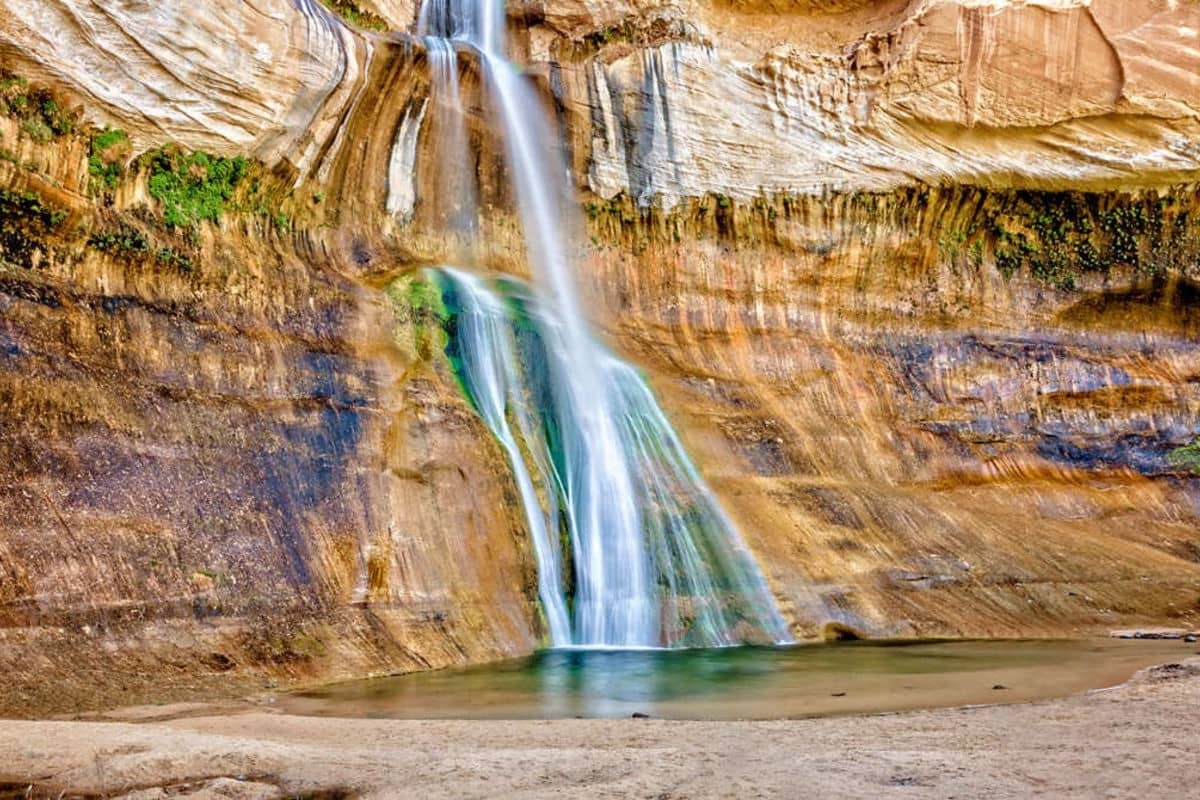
{"x":1135,"y":741}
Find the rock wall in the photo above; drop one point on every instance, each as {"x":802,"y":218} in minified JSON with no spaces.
{"x":913,"y":443}
{"x":916,"y":281}
{"x":229,"y":463}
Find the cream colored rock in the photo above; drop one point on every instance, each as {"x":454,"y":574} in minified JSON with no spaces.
{"x":399,"y":14}
{"x":579,"y":18}
{"x":839,"y":95}
{"x":1037,"y":94}
{"x":260,"y":77}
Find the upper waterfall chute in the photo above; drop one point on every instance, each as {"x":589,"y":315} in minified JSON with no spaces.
{"x":477,"y":22}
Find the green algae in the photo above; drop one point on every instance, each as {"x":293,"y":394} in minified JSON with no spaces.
{"x":355,"y":15}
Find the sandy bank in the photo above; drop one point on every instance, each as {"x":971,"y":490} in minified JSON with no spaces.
{"x":1134,"y":741}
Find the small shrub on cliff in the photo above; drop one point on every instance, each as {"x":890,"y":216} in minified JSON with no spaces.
{"x":109,"y":150}
{"x":350,"y":12}
{"x":43,"y":116}
{"x":123,"y":240}
{"x":192,"y":187}
{"x":1186,"y":457}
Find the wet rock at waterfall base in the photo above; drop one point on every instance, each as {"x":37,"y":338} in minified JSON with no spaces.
{"x":1156,"y":634}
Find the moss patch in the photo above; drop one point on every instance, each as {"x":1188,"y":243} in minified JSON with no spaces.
{"x":192,"y":187}
{"x":108,"y":152}
{"x":1186,"y":458}
{"x":43,"y":114}
{"x":349,"y":11}
{"x":418,"y":301}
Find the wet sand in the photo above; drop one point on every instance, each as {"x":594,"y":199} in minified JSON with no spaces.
{"x":1134,"y":741}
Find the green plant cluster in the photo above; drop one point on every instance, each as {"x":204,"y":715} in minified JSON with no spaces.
{"x":1186,"y":457}
{"x":765,"y":207}
{"x":124,"y":240}
{"x":613,"y":33}
{"x":168,"y":257}
{"x":617,"y":206}
{"x":25,"y":206}
{"x":420,"y":299}
{"x":108,"y":151}
{"x":43,"y":116}
{"x":192,"y":187}
{"x":127,"y":241}
{"x":1124,"y":224}
{"x":1061,"y":236}
{"x":25,"y":220}
{"x":356,"y":16}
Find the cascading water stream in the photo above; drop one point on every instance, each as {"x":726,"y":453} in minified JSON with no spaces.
{"x":456,"y":193}
{"x":490,"y":373}
{"x":655,"y":560}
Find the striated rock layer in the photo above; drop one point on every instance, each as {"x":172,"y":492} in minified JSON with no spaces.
{"x":232,"y":466}
{"x":915,"y":279}
{"x":913,"y":443}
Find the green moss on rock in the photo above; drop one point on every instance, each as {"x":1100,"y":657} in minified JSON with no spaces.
{"x":352,"y":13}
{"x":1186,"y":458}
{"x":109,"y":150}
{"x":419,"y":301}
{"x":192,"y":187}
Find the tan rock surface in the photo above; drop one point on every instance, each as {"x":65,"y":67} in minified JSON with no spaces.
{"x":912,"y":443}
{"x":232,"y":470}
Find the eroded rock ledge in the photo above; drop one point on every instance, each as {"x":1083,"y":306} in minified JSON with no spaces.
{"x":665,"y":100}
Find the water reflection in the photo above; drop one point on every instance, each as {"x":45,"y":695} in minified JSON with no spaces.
{"x":744,"y":683}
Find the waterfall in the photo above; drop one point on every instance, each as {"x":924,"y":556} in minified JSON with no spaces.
{"x":455,"y":186}
{"x":491,"y":375}
{"x":655,"y":560}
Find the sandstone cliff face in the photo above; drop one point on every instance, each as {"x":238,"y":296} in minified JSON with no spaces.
{"x":932,"y":411}
{"x":229,"y":462}
{"x":675,"y":99}
{"x":913,"y":443}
